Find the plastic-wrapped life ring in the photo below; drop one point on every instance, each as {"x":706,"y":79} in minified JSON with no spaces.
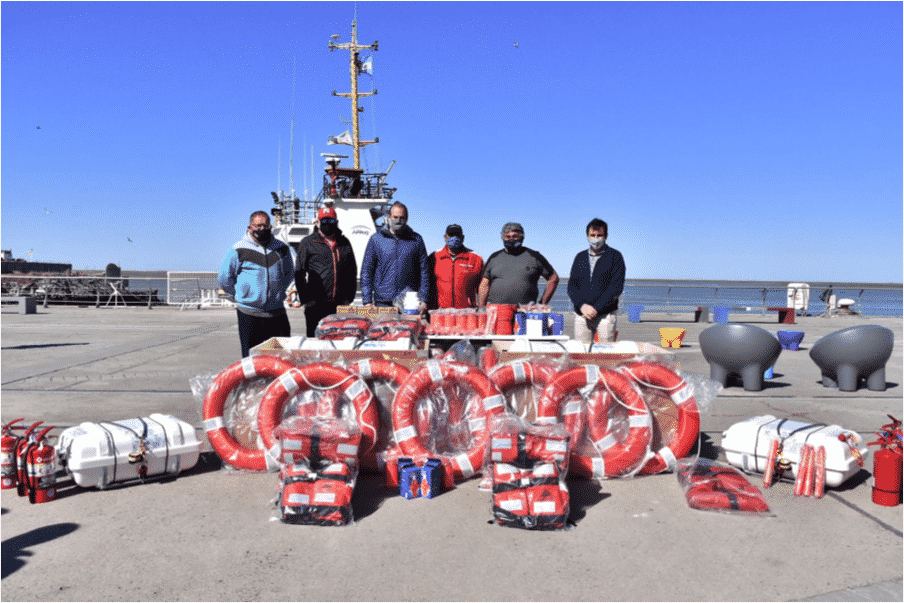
{"x":225,"y":445}
{"x":300,"y":379}
{"x":616,"y":459}
{"x":378,"y":369}
{"x":432,"y":375}
{"x":512,"y":375}
{"x":648,"y":374}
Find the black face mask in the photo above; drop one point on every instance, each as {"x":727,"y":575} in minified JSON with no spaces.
{"x":511,"y":245}
{"x":328,"y":228}
{"x":261,"y":236}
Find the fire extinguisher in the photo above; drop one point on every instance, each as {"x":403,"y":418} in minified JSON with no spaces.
{"x":8,"y":477}
{"x":887,"y":465}
{"x":41,"y":470}
{"x":22,"y":447}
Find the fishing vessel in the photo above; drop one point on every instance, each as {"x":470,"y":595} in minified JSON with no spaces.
{"x":360,"y":199}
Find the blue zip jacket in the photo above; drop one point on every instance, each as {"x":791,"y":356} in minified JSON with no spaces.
{"x":257,"y":277}
{"x":600,"y":289}
{"x":392,"y":265}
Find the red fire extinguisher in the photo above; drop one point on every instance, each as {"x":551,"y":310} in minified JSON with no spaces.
{"x":8,"y":477}
{"x":41,"y":470}
{"x":887,"y":465}
{"x":22,"y":447}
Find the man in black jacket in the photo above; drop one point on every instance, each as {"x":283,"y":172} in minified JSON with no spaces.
{"x":595,"y":284}
{"x":326,"y":274}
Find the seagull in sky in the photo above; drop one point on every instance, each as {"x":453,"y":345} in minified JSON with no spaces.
{"x":128,"y":239}
{"x":516,"y":44}
{"x":47,"y":211}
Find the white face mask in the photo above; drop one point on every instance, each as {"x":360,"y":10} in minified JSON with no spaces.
{"x":596,"y":243}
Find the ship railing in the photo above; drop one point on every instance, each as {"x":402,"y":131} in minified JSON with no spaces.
{"x":98,"y":291}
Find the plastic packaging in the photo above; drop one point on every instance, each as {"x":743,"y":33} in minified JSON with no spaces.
{"x":340,"y":326}
{"x":522,"y":382}
{"x":316,"y":496}
{"x":111,"y":452}
{"x":396,"y":328}
{"x":316,"y":441}
{"x":710,"y":487}
{"x":532,"y":499}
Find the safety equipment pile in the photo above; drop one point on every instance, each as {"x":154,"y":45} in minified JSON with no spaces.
{"x":29,"y":462}
{"x":709,"y":487}
{"x":318,"y":469}
{"x":529,"y":466}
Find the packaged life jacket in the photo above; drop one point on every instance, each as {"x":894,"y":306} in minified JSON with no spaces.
{"x":317,"y":497}
{"x":532,"y":499}
{"x":525,"y":449}
{"x":712,"y":488}
{"x":340,"y":326}
{"x":318,"y":441}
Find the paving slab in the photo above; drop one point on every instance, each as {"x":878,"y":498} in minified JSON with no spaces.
{"x":209,"y":534}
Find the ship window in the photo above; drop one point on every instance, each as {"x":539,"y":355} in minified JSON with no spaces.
{"x":299,"y":231}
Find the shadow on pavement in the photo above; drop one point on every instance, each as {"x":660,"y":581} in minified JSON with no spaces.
{"x":15,"y":548}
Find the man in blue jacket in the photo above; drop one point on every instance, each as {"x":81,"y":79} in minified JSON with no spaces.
{"x":395,"y":260}
{"x":256,"y":273}
{"x":595,"y":284}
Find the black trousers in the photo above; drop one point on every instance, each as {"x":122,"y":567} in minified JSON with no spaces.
{"x":314,"y":313}
{"x":254,"y":330}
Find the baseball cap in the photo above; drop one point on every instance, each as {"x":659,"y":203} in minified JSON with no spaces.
{"x":454,"y":230}
{"x":326,"y":212}
{"x":512,"y":226}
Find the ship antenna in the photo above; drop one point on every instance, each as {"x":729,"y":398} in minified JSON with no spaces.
{"x":279,"y":165}
{"x":292,"y":135}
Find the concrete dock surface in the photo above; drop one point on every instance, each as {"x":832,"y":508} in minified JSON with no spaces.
{"x":208,"y":535}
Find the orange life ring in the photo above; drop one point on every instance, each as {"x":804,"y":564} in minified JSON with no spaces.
{"x":432,"y":375}
{"x":648,"y":374}
{"x":514,"y":374}
{"x":300,"y":379}
{"x":616,"y":459}
{"x":378,"y":369}
{"x":226,"y":446}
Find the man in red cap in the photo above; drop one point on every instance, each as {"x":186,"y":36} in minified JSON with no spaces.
{"x":455,"y":272}
{"x":326,"y":274}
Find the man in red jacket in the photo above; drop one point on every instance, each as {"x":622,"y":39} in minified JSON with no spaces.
{"x":455,"y":272}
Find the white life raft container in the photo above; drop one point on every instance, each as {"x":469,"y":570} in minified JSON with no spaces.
{"x":110,"y":452}
{"x":747,"y":443}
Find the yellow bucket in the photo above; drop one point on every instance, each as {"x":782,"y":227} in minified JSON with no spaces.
{"x":671,"y":337}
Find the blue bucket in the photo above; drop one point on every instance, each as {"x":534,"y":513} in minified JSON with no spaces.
{"x":634,"y":313}
{"x":720,"y":314}
{"x":790,"y":340}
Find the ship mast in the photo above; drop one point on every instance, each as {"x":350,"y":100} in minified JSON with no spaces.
{"x":355,"y":68}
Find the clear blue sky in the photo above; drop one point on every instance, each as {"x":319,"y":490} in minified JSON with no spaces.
{"x":737,"y":140}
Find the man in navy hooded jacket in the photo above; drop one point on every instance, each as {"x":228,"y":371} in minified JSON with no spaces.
{"x":595,"y":284}
{"x":395,"y":260}
{"x":256,"y":272}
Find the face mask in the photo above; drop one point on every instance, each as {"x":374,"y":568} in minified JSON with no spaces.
{"x":328,"y":227}
{"x":511,"y":245}
{"x":596,"y":243}
{"x":455,"y":243}
{"x":396,"y":224}
{"x":261,"y":236}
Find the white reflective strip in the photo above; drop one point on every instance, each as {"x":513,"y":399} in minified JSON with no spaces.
{"x":545,"y":470}
{"x":287,"y":380}
{"x":248,"y":367}
{"x":464,"y":463}
{"x":683,"y":395}
{"x":544,"y":506}
{"x":406,"y":433}
{"x":435,"y":372}
{"x":364,"y":368}
{"x":524,"y":482}
{"x":639,"y":420}
{"x":299,"y":499}
{"x":545,"y":420}
{"x":213,"y":424}
{"x":586,"y":390}
{"x":334,"y":468}
{"x":519,"y":371}
{"x":511,"y":504}
{"x":272,"y":457}
{"x":605,"y":443}
{"x":492,"y":402}
{"x":291,"y":444}
{"x":497,"y":456}
{"x":506,"y":469}
{"x":592,"y":373}
{"x":599,"y":467}
{"x":356,"y":388}
{"x":325,"y":497}
{"x":502,"y":443}
{"x":572,"y":408}
{"x":669,"y":457}
{"x":478,"y":424}
{"x":556,"y":445}
{"x":349,"y":449}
